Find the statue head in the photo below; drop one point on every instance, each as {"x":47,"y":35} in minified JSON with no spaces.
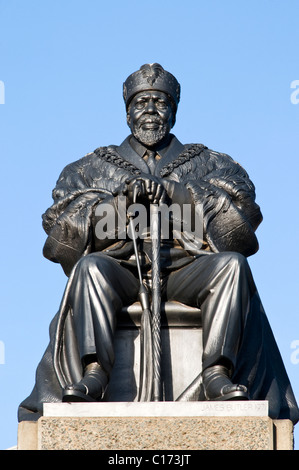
{"x":151,"y":95}
{"x":152,"y":77}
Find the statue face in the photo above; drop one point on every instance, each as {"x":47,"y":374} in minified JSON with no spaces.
{"x":150,"y":117}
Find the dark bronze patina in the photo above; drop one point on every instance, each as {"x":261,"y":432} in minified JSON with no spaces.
{"x":240,"y":356}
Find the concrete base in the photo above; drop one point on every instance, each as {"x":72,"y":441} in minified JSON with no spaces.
{"x":156,"y":426}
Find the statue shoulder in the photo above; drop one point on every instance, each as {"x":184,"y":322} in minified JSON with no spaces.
{"x":89,"y":163}
{"x":102,"y":159}
{"x":215,"y":157}
{"x":104,"y":167}
{"x":76,"y":166}
{"x":197,"y":159}
{"x":219,"y":168}
{"x":219,"y":161}
{"x":75,"y":175}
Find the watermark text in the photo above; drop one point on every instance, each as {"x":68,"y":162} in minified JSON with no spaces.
{"x":183,"y":223}
{"x":295,"y":353}
{"x":295,"y":94}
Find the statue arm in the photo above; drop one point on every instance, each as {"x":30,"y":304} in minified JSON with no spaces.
{"x":68,"y":221}
{"x":70,"y":234}
{"x":230,"y":212}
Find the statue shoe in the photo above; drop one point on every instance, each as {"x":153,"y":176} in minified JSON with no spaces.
{"x":90,"y":389}
{"x":216,"y":386}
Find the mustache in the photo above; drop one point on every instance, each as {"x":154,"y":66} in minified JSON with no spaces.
{"x":149,"y":119}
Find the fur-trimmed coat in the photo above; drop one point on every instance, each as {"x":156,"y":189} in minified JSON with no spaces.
{"x":221,"y":185}
{"x":231,"y":217}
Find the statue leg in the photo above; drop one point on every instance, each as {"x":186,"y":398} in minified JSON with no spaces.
{"x":220,"y":284}
{"x":100,"y":287}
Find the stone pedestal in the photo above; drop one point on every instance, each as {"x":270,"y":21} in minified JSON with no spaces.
{"x":181,"y":337}
{"x":118,"y":425}
{"x":156,"y":426}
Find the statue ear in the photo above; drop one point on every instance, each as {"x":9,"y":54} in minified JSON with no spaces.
{"x":128,"y":119}
{"x":173,"y":120}
{"x":174,"y":111}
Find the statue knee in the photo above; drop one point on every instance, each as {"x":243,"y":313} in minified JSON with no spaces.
{"x":90,"y":262}
{"x":239,"y":267}
{"x":235,"y":261}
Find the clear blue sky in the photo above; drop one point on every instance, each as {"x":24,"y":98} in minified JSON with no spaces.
{"x":62,"y":65}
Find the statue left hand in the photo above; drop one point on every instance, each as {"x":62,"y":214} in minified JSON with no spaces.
{"x":143,"y":188}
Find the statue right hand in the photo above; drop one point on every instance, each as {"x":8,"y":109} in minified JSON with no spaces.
{"x":143,"y":188}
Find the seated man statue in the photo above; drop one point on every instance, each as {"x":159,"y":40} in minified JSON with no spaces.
{"x":240,"y":357}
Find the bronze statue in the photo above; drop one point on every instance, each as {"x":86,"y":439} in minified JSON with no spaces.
{"x":151,"y":167}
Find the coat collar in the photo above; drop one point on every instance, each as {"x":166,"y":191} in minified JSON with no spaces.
{"x":132,"y":151}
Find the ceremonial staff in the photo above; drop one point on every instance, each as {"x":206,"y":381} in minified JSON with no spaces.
{"x":146,"y":348}
{"x":150,"y":388}
{"x":156,"y":300}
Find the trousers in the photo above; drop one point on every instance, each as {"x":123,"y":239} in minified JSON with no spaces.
{"x":220,"y":284}
{"x":236,"y":331}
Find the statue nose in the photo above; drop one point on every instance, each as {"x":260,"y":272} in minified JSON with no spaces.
{"x":151,"y":108}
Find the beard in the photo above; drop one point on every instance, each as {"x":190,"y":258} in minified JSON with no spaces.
{"x":150,"y":137}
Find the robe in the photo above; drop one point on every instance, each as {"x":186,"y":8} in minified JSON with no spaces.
{"x":230,"y":219}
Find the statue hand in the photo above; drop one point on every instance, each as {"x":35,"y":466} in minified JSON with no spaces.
{"x":144,"y":188}
{"x":177,"y":192}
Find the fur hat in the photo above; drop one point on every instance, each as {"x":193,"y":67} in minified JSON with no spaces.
{"x":151,"y":77}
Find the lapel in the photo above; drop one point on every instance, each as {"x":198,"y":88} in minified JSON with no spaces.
{"x":126,"y":151}
{"x":168,"y":154}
